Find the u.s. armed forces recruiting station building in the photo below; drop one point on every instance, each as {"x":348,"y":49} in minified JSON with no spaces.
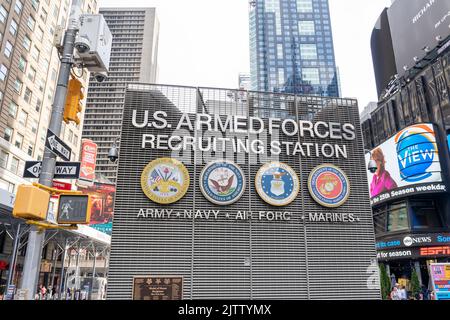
{"x":244,"y":195}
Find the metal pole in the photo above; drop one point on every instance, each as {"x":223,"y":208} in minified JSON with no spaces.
{"x":12,"y":264}
{"x":55,"y":252}
{"x":63,"y":260}
{"x":36,"y":237}
{"x":93,"y":274}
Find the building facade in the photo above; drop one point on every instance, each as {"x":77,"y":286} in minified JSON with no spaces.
{"x":248,"y":243}
{"x":291,"y":47}
{"x":408,"y":136}
{"x":134,"y":57}
{"x":29,"y":65}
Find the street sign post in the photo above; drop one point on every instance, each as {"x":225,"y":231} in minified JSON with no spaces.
{"x":57,"y":146}
{"x":63,"y":170}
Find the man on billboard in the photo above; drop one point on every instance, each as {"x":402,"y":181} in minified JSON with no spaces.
{"x":382,"y":180}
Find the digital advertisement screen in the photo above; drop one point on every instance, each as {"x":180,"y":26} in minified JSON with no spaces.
{"x":407,"y":164}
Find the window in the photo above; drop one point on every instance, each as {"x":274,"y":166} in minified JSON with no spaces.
{"x":304,"y":6}
{"x":31,"y":22}
{"x":3,"y":14}
{"x":34,"y":126}
{"x":35,"y":4}
{"x":26,"y":43}
{"x":306,"y":28}
{"x":38,"y":105}
{"x":397,"y":218}
{"x":43,"y":15}
{"x":39,"y":34}
{"x":19,"y":140}
{"x":18,"y":7}
{"x":22,"y":64}
{"x":308,"y":51}
{"x":13,"y":109}
{"x":311,"y":75}
{"x":8,"y":49}
{"x":23,"y":117}
{"x":6,"y":186}
{"x":32,"y":74}
{"x":30,"y":151}
{"x":14,"y":166}
{"x":3,"y":159}
{"x":13,"y":27}
{"x":18,"y":86}
{"x":424,"y":214}
{"x":28,"y":95}
{"x":35,"y":52}
{"x":379,"y":220}
{"x":3,"y":72}
{"x":8,"y":134}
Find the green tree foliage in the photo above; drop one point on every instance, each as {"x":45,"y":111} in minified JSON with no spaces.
{"x":415,"y":283}
{"x":385,"y":282}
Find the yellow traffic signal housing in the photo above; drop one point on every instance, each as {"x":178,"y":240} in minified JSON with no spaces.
{"x":73,"y":101}
{"x":74,"y":209}
{"x":31,"y":203}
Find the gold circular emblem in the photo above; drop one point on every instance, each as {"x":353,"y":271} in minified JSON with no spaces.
{"x":165,"y":180}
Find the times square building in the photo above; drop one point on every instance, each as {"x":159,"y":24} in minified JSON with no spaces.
{"x":407,"y":133}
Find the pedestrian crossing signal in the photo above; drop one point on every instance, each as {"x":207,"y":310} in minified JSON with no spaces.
{"x":74,"y":209}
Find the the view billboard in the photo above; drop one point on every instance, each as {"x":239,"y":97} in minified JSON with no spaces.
{"x":407,"y":164}
{"x":415,"y":25}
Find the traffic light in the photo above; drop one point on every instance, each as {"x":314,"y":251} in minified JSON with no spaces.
{"x":73,"y":101}
{"x":31,"y":203}
{"x":74,"y":209}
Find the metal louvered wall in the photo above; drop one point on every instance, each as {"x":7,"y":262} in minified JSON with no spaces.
{"x":249,"y":259}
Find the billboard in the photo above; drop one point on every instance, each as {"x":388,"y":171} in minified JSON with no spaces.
{"x":415,"y":24}
{"x":102,"y":210}
{"x":407,"y":164}
{"x":440,"y":275}
{"x":88,"y":160}
{"x":198,"y":182}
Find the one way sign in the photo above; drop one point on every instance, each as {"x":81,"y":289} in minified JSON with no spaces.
{"x":57,"y":146}
{"x":63,"y":170}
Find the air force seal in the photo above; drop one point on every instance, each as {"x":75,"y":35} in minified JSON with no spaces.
{"x":329,"y":186}
{"x":222,"y":182}
{"x":277,"y":184}
{"x":165,"y":180}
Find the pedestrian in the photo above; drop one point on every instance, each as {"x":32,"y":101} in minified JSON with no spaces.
{"x":402,"y":293}
{"x":425,"y":293}
{"x":395,"y":294}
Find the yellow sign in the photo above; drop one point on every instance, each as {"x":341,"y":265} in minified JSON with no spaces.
{"x":165,"y":180}
{"x":447,"y":272}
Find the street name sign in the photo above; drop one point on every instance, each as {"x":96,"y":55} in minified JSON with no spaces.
{"x":63,"y":170}
{"x":57,"y":146}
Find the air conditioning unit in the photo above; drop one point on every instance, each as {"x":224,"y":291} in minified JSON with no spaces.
{"x":93,"y":43}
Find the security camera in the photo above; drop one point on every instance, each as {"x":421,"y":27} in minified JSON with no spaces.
{"x":82,"y":45}
{"x":113,"y":154}
{"x":101,"y":76}
{"x":372,"y":167}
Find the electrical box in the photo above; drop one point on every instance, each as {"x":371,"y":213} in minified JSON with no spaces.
{"x":59,"y":37}
{"x":95,"y":36}
{"x":31,"y":203}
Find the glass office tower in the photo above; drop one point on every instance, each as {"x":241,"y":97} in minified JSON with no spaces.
{"x":291,"y":47}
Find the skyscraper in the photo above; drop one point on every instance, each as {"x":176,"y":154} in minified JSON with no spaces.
{"x":29,"y":66}
{"x":134,"y":58}
{"x":291,"y":47}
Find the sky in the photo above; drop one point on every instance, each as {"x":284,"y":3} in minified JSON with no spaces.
{"x":206,"y":42}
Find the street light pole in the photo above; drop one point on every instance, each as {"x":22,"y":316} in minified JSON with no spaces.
{"x":36,"y":237}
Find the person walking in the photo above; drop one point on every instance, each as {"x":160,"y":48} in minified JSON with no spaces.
{"x":402,"y":293}
{"x":395,"y":294}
